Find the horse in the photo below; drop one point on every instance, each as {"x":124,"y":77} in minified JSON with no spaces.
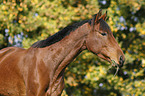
{"x":39,"y":70}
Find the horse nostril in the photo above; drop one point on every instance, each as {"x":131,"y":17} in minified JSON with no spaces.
{"x":121,"y":58}
{"x":121,"y":61}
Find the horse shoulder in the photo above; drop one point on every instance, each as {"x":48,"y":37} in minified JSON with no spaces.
{"x":11,"y":81}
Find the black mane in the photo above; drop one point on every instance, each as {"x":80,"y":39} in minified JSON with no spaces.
{"x":59,"y":35}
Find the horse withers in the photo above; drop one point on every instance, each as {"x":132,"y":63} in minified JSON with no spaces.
{"x":39,"y":70}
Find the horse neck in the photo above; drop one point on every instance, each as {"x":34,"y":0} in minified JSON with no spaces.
{"x":64,"y":51}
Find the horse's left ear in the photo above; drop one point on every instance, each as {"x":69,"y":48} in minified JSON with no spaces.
{"x":104,"y":17}
{"x":96,"y":18}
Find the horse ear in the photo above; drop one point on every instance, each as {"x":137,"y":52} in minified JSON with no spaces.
{"x":104,"y":17}
{"x":97,"y":16}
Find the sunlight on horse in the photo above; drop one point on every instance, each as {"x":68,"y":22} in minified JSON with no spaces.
{"x":39,"y":70}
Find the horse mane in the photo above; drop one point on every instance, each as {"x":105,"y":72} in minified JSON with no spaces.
{"x":59,"y":35}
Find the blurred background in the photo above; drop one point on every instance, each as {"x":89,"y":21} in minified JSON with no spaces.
{"x":23,"y":22}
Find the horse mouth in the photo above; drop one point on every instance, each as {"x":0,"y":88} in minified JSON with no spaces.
{"x":113,"y":63}
{"x":104,"y":57}
{"x":116,"y":64}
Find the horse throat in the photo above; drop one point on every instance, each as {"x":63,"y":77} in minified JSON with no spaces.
{"x":70,"y":47}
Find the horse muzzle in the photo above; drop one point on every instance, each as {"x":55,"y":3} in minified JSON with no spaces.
{"x":121,"y":61}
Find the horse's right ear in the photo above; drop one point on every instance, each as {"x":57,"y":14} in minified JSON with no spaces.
{"x":97,"y":16}
{"x":104,"y":17}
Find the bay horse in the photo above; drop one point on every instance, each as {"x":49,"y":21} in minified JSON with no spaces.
{"x":39,"y":70}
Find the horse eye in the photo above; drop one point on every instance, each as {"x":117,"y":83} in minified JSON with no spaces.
{"x":103,"y":34}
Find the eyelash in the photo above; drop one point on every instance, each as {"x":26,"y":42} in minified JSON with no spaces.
{"x":103,"y":34}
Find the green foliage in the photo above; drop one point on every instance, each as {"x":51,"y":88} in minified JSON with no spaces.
{"x":23,"y":22}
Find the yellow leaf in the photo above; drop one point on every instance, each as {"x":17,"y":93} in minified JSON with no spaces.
{"x":121,"y":79}
{"x":115,"y":29}
{"x":5,"y":12}
{"x":10,"y":17}
{"x":20,"y":9}
{"x":3,"y":7}
{"x":13,"y":1}
{"x":20,"y":21}
{"x":124,"y":36}
{"x":42,"y":35}
{"x":76,"y":10}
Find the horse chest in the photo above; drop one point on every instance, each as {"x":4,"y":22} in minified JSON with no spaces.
{"x":56,"y":87}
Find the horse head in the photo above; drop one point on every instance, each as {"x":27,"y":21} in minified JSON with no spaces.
{"x":101,"y":41}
